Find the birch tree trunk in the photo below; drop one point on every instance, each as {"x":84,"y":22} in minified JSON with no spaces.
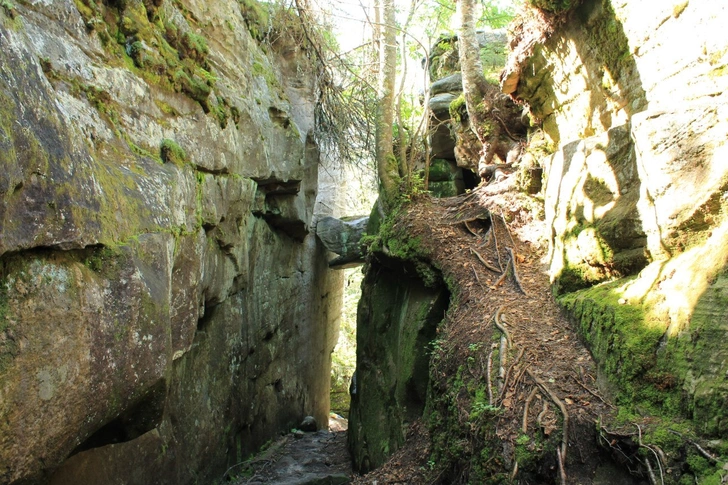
{"x":386,"y":162}
{"x":475,"y":86}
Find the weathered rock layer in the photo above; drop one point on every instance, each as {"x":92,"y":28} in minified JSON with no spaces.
{"x":164,"y":307}
{"x":632,"y":97}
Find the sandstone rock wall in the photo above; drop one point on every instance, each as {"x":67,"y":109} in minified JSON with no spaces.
{"x":396,"y":321}
{"x":632,"y":96}
{"x":165,"y":307}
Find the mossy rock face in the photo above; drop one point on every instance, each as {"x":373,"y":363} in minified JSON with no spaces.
{"x":444,"y":60}
{"x":396,"y":321}
{"x":256,"y":17}
{"x":166,"y":52}
{"x":592,"y":191}
{"x":171,"y":152}
{"x":442,"y":170}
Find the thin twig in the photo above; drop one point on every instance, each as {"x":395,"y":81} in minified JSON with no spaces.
{"x":564,"y":412}
{"x":590,"y":391}
{"x":520,"y":375}
{"x":477,"y":278}
{"x":508,"y":374}
{"x":529,"y":399}
{"x":515,"y":271}
{"x":505,"y":273}
{"x":515,"y":471}
{"x":482,"y":260}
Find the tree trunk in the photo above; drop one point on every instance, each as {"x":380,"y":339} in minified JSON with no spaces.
{"x":386,"y":162}
{"x":475,"y":87}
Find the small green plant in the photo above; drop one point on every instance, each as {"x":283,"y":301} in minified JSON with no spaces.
{"x":171,"y":152}
{"x":9,"y":8}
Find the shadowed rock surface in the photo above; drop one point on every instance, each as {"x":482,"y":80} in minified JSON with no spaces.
{"x":164,"y":307}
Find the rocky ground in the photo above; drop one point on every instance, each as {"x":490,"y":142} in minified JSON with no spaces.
{"x":300,"y":458}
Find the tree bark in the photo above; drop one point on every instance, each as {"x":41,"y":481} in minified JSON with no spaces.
{"x":475,"y":86}
{"x":387,"y":167}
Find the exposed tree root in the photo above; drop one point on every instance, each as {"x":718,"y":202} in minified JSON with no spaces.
{"x":529,"y":399}
{"x":562,"y":470}
{"x":470,"y":230}
{"x":501,"y":327}
{"x":564,"y":412}
{"x":544,"y":410}
{"x":508,"y":374}
{"x":515,"y":271}
{"x":487,"y":374}
{"x":482,"y":260}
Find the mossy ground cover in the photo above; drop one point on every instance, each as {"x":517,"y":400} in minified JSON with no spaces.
{"x":652,"y":375}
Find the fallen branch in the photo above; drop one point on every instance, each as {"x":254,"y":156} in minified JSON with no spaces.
{"x":651,"y":473}
{"x":515,"y":271}
{"x":700,"y":449}
{"x":564,"y":412}
{"x":529,"y":399}
{"x":485,"y":263}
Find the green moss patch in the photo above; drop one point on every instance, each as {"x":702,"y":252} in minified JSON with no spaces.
{"x":623,"y":342}
{"x":171,"y":152}
{"x":158,"y":50}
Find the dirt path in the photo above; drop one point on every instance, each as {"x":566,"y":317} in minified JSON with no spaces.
{"x":472,"y":238}
{"x":316,"y":458}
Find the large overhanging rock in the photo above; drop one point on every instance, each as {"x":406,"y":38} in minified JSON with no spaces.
{"x":343,"y":236}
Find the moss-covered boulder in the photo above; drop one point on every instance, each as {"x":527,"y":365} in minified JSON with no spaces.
{"x":396,"y":321}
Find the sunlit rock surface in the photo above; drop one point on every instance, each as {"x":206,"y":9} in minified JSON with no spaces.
{"x":632,"y":96}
